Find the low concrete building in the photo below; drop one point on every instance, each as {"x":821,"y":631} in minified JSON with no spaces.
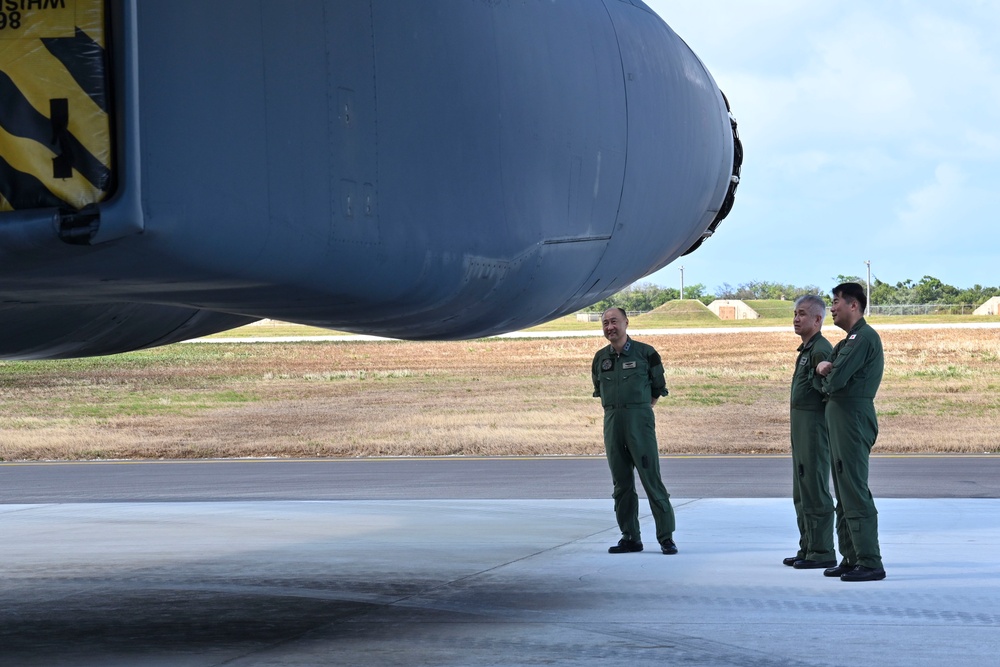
{"x":732,"y":309}
{"x":991,"y":307}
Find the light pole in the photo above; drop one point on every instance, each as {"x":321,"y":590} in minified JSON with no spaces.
{"x":682,"y":282}
{"x":868,"y":293}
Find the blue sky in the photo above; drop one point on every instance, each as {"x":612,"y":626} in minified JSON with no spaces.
{"x":871,"y":131}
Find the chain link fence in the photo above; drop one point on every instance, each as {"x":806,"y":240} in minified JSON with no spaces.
{"x":924,"y":309}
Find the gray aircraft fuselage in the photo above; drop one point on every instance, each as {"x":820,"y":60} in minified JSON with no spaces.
{"x":440,"y":169}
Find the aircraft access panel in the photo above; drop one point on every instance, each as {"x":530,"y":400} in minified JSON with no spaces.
{"x":55,"y":99}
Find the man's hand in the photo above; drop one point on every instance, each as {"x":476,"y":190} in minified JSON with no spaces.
{"x":823,"y":368}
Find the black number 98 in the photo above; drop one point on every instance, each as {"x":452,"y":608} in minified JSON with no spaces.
{"x":12,"y":20}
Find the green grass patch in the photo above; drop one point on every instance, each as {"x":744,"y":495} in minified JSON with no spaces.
{"x":773,"y":309}
{"x":944,"y":372}
{"x":105,"y":404}
{"x":713,"y":393}
{"x":115,"y":368}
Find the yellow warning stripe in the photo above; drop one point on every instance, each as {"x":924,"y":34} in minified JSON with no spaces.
{"x":32,"y":158}
{"x":5,"y":205}
{"x":41,"y":77}
{"x":90,"y":19}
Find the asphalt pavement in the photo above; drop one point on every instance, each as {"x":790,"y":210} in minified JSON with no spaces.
{"x":429,"y":478}
{"x":459,"y":562}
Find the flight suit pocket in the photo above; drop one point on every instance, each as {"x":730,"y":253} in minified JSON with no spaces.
{"x":635,"y":383}
{"x":845,"y":352}
{"x":609,"y":390}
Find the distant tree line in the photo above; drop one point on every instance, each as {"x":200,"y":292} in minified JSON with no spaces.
{"x":928,"y":290}
{"x":762,"y":289}
{"x":642,"y":298}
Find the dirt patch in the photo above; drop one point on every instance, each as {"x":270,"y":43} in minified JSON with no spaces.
{"x":728,"y":394}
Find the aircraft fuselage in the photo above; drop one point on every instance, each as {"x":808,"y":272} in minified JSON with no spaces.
{"x":439,"y":169}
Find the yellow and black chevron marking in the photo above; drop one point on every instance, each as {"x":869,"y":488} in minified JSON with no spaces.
{"x":55,"y":129}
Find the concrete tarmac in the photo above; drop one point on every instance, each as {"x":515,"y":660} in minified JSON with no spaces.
{"x":463,"y":582}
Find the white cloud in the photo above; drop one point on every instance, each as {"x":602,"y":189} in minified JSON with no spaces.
{"x":866,"y":164}
{"x":805,"y":162}
{"x":851,"y":70}
{"x":928,"y":208}
{"x":877,"y":119}
{"x":978,"y":144}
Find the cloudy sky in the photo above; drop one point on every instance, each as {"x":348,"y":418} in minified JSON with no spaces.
{"x":871,"y":131}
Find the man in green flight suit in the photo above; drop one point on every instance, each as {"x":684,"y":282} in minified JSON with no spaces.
{"x":810,"y":442}
{"x":628,"y":378}
{"x":850,"y":381}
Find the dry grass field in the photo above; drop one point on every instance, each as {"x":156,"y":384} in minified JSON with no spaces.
{"x":728,"y":395}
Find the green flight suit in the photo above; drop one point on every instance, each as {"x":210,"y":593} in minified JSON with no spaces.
{"x":858,"y":363}
{"x":626,"y":384}
{"x":811,"y":454}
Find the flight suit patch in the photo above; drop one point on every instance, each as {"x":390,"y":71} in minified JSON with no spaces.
{"x":628,"y":364}
{"x":607,"y":365}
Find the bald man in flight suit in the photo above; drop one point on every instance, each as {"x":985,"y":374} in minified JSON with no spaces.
{"x":628,"y":378}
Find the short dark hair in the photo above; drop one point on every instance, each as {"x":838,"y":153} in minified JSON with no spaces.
{"x":852,"y":291}
{"x":619,"y":309}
